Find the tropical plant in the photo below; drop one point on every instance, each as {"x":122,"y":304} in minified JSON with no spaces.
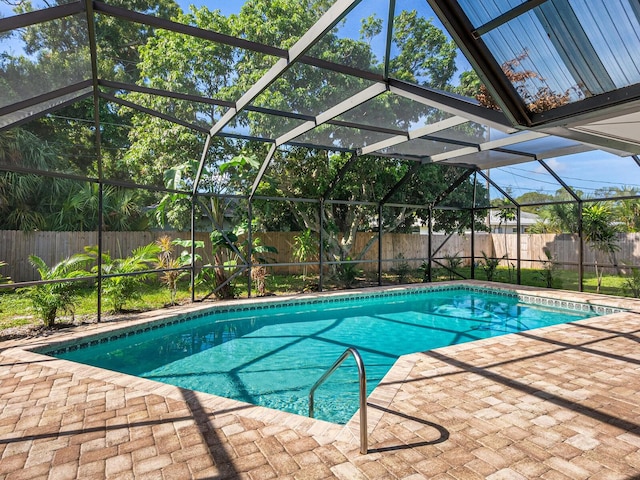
{"x":24,"y":198}
{"x":121,"y":280}
{"x":172,"y":264}
{"x":600,"y":233}
{"x":453,"y":262}
{"x":347,"y":273}
{"x":627,"y":210}
{"x":425,"y":266}
{"x":490,"y":265}
{"x":548,"y":268}
{"x":402,"y":268}
{"x":506,"y":215}
{"x":219,"y":275}
{"x":49,"y":299}
{"x":305,"y":249}
{"x":632,"y":282}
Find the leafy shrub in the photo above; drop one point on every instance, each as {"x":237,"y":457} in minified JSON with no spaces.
{"x":489,"y":266}
{"x":402,"y":268}
{"x":347,"y":273}
{"x":168,"y":260}
{"x":548,"y":268}
{"x":632,"y":282}
{"x":122,"y":283}
{"x":453,"y":262}
{"x":50,"y":298}
{"x":425,"y":267}
{"x":305,"y":248}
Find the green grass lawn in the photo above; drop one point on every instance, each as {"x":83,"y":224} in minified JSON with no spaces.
{"x":16,"y":309}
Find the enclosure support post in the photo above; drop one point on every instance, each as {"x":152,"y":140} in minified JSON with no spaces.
{"x":193,"y":247}
{"x":473,"y":242}
{"x":98,"y":143}
{"x":379,"y":244}
{"x":429,"y":243}
{"x":473,"y":224}
{"x":580,"y":250}
{"x":518,"y":247}
{"x":249,"y":247}
{"x":99,"y":259}
{"x":321,"y":245}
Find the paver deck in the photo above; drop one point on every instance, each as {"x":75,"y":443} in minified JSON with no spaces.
{"x":561,"y":402}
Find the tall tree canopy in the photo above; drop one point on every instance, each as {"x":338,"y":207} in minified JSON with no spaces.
{"x":140,"y":147}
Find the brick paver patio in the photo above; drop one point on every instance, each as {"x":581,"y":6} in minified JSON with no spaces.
{"x":556,"y":403}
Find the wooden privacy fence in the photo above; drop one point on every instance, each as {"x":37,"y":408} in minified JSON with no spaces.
{"x":16,"y":246}
{"x":564,"y":248}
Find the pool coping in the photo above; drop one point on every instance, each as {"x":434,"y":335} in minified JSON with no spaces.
{"x":324,"y":432}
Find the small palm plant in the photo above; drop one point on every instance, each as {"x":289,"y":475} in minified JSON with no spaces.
{"x":122,"y":283}
{"x":548,"y":268}
{"x":453,"y":262}
{"x":490,"y":265}
{"x":305,"y":248}
{"x":50,"y":298}
{"x":260,"y":255}
{"x":168,"y":260}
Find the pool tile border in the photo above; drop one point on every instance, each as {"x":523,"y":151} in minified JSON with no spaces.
{"x":261,"y":304}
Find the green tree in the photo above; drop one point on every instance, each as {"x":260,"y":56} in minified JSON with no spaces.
{"x":307,"y":173}
{"x":558,"y":217}
{"x":534,"y":197}
{"x":627,"y":211}
{"x":56,"y":54}
{"x":26,"y":199}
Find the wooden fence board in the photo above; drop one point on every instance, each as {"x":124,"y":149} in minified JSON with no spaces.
{"x":15,"y":248}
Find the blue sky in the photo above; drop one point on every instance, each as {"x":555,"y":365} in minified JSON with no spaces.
{"x":586,"y":172}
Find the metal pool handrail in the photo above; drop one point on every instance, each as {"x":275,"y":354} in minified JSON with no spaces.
{"x":362,"y":376}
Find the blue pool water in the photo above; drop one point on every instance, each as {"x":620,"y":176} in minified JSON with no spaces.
{"x":272,"y":357}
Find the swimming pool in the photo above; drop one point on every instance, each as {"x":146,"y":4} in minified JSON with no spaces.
{"x":270,"y":354}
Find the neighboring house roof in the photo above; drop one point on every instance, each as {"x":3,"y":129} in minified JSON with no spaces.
{"x":526,"y":219}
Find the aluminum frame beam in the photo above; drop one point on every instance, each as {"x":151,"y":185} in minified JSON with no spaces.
{"x":337,"y":11}
{"x":38,"y":16}
{"x":20,"y":116}
{"x":337,"y":110}
{"x":490,"y":145}
{"x":413,"y":134}
{"x":453,"y":104}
